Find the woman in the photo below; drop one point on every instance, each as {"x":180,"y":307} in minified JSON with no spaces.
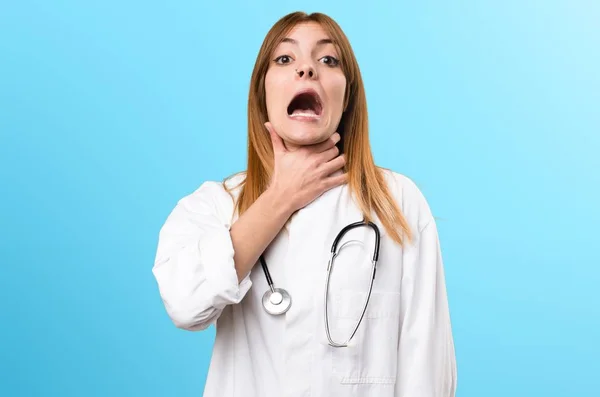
{"x":310,"y":173}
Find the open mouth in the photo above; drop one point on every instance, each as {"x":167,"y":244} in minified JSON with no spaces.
{"x":305,"y":104}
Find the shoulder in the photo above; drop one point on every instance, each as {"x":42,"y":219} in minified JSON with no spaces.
{"x":409,"y":197}
{"x":214,"y":197}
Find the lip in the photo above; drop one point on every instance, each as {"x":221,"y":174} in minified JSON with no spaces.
{"x":307,"y":117}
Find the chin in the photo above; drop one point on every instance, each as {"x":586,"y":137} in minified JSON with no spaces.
{"x":306,"y":134}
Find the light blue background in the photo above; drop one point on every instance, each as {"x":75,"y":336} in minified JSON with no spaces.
{"x":111,"y":111}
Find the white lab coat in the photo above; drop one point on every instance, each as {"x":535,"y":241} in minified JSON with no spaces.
{"x":404,"y":346}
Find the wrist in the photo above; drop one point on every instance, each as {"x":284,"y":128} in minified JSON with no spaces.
{"x":279,"y":202}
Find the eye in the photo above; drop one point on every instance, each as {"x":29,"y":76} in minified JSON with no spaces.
{"x":330,"y":61}
{"x":283,"y":59}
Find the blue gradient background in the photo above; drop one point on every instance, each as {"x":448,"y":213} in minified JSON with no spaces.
{"x":112,"y":111}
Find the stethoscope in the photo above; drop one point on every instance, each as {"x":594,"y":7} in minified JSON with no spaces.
{"x":277,"y":301}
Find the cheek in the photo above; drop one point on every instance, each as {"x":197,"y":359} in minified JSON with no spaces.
{"x":273,"y":92}
{"x":268,"y":91}
{"x":338,"y":90}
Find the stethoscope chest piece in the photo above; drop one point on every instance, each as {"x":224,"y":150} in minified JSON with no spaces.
{"x":276,"y":301}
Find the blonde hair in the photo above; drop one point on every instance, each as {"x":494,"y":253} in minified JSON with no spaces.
{"x":366,"y":181}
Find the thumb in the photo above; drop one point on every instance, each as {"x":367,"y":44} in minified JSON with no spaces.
{"x":278,"y":145}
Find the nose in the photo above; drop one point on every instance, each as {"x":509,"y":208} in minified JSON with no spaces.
{"x":306,"y":71}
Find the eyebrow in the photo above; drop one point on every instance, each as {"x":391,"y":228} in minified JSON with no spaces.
{"x":319,"y":43}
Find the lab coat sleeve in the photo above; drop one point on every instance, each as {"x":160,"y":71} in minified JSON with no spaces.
{"x":427,"y":363}
{"x":194,"y":265}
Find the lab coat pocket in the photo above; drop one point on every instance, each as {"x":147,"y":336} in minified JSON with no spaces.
{"x":371,"y":357}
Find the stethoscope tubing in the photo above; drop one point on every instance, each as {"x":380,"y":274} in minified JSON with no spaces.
{"x":334,"y":252}
{"x":267,"y":273}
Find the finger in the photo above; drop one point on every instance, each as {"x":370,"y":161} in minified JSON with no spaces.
{"x":332,"y":166}
{"x":278,"y":145}
{"x":328,"y":144}
{"x":329,"y":154}
{"x":336,"y":180}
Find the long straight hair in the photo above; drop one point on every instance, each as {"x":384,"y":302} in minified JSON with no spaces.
{"x":365,"y":180}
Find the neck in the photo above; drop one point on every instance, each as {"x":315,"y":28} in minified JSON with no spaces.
{"x":291,"y":147}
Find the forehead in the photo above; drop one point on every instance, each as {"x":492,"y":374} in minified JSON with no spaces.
{"x":307,"y":33}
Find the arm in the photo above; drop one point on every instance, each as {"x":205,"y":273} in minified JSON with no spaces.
{"x":256,"y":228}
{"x":427,"y":363}
{"x":203,"y":265}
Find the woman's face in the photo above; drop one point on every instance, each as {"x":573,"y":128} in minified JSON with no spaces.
{"x":305,"y":87}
